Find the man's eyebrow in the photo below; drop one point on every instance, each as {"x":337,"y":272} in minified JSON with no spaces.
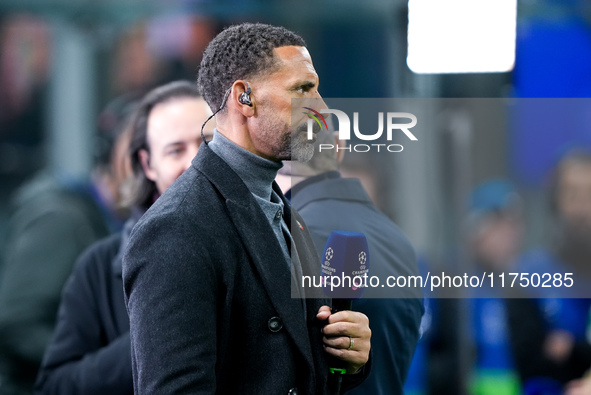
{"x":182,"y":143}
{"x":304,"y":84}
{"x":174,"y":143}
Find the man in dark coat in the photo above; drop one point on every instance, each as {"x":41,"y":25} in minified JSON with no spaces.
{"x":56,"y":217}
{"x":329,"y":202}
{"x":90,"y":352}
{"x":207,"y":273}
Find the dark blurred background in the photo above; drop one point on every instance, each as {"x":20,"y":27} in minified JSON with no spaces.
{"x":61,"y":62}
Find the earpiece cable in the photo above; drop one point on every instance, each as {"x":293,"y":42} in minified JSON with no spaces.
{"x":212,"y":115}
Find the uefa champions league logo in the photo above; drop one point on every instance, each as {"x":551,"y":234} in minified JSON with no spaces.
{"x":328,"y":255}
{"x":362,"y":257}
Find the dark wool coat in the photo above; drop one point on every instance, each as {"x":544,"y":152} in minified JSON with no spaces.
{"x":90,"y":351}
{"x":208,"y":294}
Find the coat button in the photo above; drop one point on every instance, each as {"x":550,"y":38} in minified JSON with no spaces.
{"x":278,"y":214}
{"x":275,"y":324}
{"x":293,"y":391}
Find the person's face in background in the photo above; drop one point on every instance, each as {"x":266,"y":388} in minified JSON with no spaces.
{"x":173,"y":137}
{"x":574,"y":195}
{"x":498,"y":239}
{"x":573,"y":204}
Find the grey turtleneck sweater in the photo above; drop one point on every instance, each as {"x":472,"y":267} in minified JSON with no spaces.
{"x":258,"y":175}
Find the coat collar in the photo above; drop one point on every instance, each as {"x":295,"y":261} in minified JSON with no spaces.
{"x":260,"y":241}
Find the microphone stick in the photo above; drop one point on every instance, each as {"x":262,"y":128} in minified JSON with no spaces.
{"x":344,"y":264}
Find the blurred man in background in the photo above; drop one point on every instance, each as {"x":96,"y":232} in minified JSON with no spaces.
{"x":494,"y":230}
{"x":551,"y":334}
{"x":493,"y":235}
{"x":328,"y":202}
{"x":91,"y":351}
{"x":54,"y":219}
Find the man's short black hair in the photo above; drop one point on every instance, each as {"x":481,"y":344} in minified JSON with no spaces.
{"x":240,"y":52}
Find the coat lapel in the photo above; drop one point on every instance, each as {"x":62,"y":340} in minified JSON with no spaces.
{"x":261,"y":243}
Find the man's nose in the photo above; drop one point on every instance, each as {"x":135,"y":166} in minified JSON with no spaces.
{"x":317,"y":103}
{"x":320,"y":103}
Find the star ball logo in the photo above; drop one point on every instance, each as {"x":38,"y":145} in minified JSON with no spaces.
{"x":362,"y":257}
{"x":328,"y":255}
{"x":344,"y":130}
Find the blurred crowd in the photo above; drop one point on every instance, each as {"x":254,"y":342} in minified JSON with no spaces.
{"x":525,"y":342}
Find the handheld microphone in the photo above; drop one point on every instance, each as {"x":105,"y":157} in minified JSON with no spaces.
{"x":345,"y":265}
{"x":344,"y":269}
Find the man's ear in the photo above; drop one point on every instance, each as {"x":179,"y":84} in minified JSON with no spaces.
{"x":242,"y":97}
{"x":145,"y":161}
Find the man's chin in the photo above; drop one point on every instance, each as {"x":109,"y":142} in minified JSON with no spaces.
{"x":301,"y":134}
{"x":302,"y":153}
